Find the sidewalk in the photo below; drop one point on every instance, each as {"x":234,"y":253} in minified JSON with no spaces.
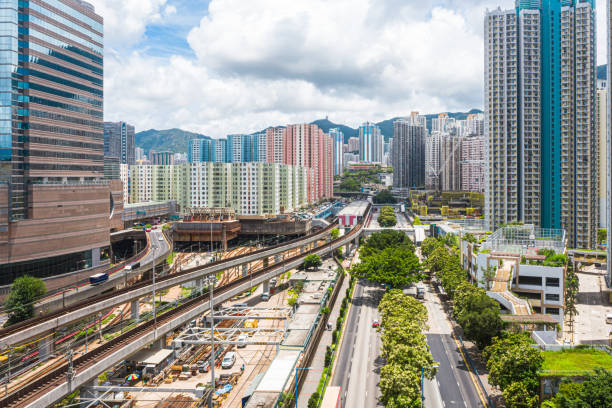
{"x":314,"y":375}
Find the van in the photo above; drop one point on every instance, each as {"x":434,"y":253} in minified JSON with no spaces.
{"x":228,"y":360}
{"x":265,"y":296}
{"x":609,"y":318}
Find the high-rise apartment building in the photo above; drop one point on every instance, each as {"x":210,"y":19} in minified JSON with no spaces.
{"x":432,"y":161}
{"x":353,"y":145}
{"x":408,"y":155}
{"x":473,"y":164}
{"x":139,"y":154}
{"x":540,"y":117}
{"x":165,"y":158}
{"x":51,"y":139}
{"x":338,"y":140}
{"x":475,"y":124}
{"x":371,"y":143}
{"x":275,"y":144}
{"x":450,"y":162}
{"x":308,"y":146}
{"x":609,"y":148}
{"x":119,"y":142}
{"x":602,"y":137}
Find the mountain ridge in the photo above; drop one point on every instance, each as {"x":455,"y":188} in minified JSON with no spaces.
{"x":177,"y":140}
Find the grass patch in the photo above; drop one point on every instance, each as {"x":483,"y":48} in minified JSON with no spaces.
{"x":186,"y":292}
{"x":170,"y":258}
{"x":578,"y":360}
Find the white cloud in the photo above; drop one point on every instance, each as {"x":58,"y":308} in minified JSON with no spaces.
{"x":125,"y":21}
{"x":268,"y":62}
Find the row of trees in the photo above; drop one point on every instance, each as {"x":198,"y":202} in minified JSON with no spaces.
{"x":384,"y":197}
{"x":476,"y":312}
{"x":594,"y":392}
{"x":388,"y":257}
{"x":387,"y":217}
{"x":405,"y":350}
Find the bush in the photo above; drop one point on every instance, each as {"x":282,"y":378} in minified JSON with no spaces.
{"x":20,"y":303}
{"x":328,"y":356}
{"x":339,"y":324}
{"x":313,"y":401}
{"x":334,"y":336}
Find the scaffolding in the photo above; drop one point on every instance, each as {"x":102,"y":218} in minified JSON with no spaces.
{"x":525,"y":239}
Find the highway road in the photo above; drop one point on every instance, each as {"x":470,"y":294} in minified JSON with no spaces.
{"x":454,"y":383}
{"x":358,"y":365}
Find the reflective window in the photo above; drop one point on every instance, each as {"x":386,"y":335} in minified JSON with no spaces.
{"x":57,"y":67}
{"x":68,"y":10}
{"x":64,"y":94}
{"x":96,"y":37}
{"x":52,"y":40}
{"x":72,"y":108}
{"x":55,"y":54}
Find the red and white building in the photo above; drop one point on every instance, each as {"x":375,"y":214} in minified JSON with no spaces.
{"x":308,"y":146}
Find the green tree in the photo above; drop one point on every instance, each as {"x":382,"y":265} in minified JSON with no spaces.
{"x":400,"y":386}
{"x":350,"y":184}
{"x":429,"y":245}
{"x":596,"y":390}
{"x":602,"y":236}
{"x":20,"y":303}
{"x":385,"y":239}
{"x":471,"y":238}
{"x":384,"y":197}
{"x":335,"y":233}
{"x":312,"y":261}
{"x":520,"y":362}
{"x":488,"y":275}
{"x":396,"y":267}
{"x":517,"y":395}
{"x":387,"y":217}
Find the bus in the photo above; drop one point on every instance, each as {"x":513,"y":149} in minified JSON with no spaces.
{"x":332,"y":398}
{"x":98,"y":278}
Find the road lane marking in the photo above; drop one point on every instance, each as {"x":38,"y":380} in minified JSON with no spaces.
{"x":472,"y":375}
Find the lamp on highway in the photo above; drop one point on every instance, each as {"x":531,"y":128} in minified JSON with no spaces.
{"x":423,"y":382}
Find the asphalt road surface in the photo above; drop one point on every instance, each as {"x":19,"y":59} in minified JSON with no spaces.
{"x":454,"y":384}
{"x":358,"y":365}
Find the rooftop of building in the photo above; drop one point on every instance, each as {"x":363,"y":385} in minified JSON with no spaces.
{"x":525,"y":240}
{"x":358,"y":208}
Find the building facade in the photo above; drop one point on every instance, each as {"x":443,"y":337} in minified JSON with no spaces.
{"x":253,"y":188}
{"x":165,"y":158}
{"x":371,"y":143}
{"x":432,"y":161}
{"x":338,"y":140}
{"x":52,"y":139}
{"x":540,"y":117}
{"x":119,"y":142}
{"x":408,"y":157}
{"x":602,"y":135}
{"x":473,"y":164}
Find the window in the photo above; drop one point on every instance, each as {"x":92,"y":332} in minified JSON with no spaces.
{"x":552,"y":310}
{"x":530,"y":280}
{"x":552,"y":282}
{"x":552,"y":296}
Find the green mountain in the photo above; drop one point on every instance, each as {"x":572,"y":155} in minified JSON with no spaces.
{"x":174,"y":140}
{"x":326,"y":124}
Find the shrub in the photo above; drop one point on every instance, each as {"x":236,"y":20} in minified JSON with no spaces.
{"x":313,"y":401}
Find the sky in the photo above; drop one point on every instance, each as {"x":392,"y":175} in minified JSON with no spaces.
{"x":219,"y":67}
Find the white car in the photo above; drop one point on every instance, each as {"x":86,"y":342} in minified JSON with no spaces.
{"x":228,"y":360}
{"x":161,"y":238}
{"x":242,"y":339}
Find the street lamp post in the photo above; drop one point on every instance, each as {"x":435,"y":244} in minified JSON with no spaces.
{"x":423,"y":383}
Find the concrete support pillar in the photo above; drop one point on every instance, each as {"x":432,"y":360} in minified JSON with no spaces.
{"x":135,"y":315}
{"x":356,"y":242}
{"x":347,"y":249}
{"x":302,"y":249}
{"x":277,"y":259}
{"x":46,"y":348}
{"x":245,"y":270}
{"x":266,"y":262}
{"x":199,"y":283}
{"x":95,"y":257}
{"x":266,"y":286}
{"x":224,"y":237}
{"x":135,"y":247}
{"x":160,"y":343}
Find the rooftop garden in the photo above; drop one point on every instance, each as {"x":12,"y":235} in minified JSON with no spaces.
{"x":574,"y":361}
{"x":547,"y":257}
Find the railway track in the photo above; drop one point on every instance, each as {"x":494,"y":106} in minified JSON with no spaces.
{"x":44,"y":384}
{"x":100,"y":298}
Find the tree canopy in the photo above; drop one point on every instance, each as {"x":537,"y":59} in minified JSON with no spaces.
{"x":387,"y":217}
{"x":384,"y":197}
{"x":397,"y":267}
{"x":20,"y":302}
{"x":312,"y":261}
{"x":385,"y":239}
{"x":594,"y":392}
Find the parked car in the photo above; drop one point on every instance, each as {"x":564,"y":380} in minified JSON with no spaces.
{"x":228,"y":360}
{"x":243,"y":338}
{"x":375,"y":323}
